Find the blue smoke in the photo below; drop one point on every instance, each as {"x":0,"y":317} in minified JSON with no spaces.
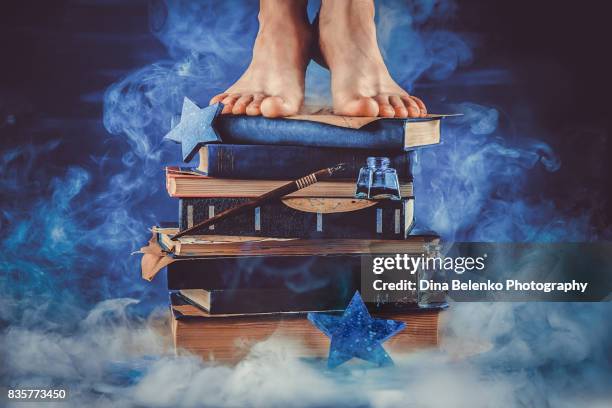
{"x":472,"y":188}
{"x":69,"y":284}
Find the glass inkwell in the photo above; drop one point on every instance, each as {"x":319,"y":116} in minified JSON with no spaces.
{"x":377,"y":180}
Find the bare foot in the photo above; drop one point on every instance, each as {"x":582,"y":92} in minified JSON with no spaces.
{"x":360,"y":82}
{"x":273,"y":84}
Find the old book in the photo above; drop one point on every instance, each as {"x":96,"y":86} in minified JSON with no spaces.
{"x":331,"y":131}
{"x":319,"y":130}
{"x":287,"y":276}
{"x":270,"y":162}
{"x":295,"y":218}
{"x":265,"y":272}
{"x":184,"y":183}
{"x":277,"y":300}
{"x":228,"y":338}
{"x":231,"y":245}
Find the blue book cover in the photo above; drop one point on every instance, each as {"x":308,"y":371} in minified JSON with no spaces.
{"x":268,"y":162}
{"x":200,"y":126}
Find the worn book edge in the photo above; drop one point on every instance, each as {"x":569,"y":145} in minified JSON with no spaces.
{"x":230,"y":245}
{"x":325,"y":115}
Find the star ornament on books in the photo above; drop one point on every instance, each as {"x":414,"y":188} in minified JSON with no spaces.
{"x":356,"y":334}
{"x":195,"y":128}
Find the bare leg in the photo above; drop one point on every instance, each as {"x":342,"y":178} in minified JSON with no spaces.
{"x":361,"y":84}
{"x":273,"y":84}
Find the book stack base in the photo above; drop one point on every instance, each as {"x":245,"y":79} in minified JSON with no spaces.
{"x":229,"y":339}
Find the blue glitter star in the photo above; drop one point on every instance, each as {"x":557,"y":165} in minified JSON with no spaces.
{"x":356,"y":334}
{"x":195,"y":128}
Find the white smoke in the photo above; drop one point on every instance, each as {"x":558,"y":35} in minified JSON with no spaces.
{"x":492,"y":354}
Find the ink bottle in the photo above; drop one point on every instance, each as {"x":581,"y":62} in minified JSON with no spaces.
{"x":377,"y":180}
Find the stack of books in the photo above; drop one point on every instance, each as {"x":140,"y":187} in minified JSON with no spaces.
{"x":258,"y":274}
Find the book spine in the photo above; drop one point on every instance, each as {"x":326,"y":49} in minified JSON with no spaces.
{"x":263,"y":162}
{"x":385,"y":220}
{"x":264,"y":272}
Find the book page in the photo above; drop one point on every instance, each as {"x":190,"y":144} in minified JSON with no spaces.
{"x":325,"y":115}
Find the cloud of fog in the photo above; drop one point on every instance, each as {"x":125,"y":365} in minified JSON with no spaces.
{"x":492,"y":354}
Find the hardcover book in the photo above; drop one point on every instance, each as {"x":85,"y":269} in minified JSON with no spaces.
{"x":265,"y":272}
{"x":330,"y":131}
{"x":231,"y":245}
{"x":199,"y":127}
{"x":295,"y":218}
{"x":228,"y":338}
{"x":263,"y":301}
{"x":186,"y":183}
{"x":270,"y":162}
{"x":291,"y":284}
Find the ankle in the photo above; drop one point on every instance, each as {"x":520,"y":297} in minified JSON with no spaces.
{"x":283,"y":12}
{"x":347,"y":30}
{"x":279,"y":26}
{"x":355,"y":11}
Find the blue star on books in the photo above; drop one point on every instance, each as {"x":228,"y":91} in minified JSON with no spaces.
{"x":356,"y":334}
{"x":195,"y":128}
